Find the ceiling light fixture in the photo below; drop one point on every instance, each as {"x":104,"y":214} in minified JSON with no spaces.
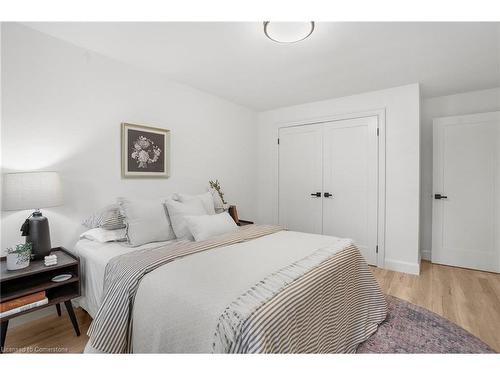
{"x":288,"y":32}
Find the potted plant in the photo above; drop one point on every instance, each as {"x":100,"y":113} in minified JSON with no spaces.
{"x":20,"y":257}
{"x":218,"y":195}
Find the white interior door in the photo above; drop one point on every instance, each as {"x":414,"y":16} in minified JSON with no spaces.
{"x":466,"y":205}
{"x":350,"y":182}
{"x":300,"y":178}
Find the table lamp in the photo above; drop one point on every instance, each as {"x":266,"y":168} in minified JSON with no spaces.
{"x":33,"y":190}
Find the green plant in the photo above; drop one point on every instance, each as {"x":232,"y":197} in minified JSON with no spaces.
{"x":23,"y":250}
{"x":216,"y":186}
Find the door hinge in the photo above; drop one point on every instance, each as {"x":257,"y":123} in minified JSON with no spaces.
{"x":376,"y":249}
{"x":377,"y":131}
{"x":278,"y":141}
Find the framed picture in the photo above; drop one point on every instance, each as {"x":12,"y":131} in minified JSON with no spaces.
{"x":145,"y":151}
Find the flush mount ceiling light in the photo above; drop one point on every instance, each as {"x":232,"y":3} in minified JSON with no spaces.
{"x":288,"y":32}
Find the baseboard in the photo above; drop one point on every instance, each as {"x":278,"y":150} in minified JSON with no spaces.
{"x":426,"y":254}
{"x":399,"y":266}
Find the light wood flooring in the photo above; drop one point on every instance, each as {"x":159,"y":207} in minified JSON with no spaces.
{"x":469,"y":298}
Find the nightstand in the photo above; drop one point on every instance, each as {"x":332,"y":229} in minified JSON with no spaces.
{"x":36,"y":278}
{"x":233,"y":212}
{"x":240,"y":222}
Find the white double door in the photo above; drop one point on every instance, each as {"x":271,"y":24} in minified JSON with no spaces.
{"x":328,"y":180}
{"x":466,"y":197}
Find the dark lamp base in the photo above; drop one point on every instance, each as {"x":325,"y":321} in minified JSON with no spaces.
{"x":39,"y":235}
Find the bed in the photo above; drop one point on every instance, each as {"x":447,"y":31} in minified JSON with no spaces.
{"x":259,"y":290}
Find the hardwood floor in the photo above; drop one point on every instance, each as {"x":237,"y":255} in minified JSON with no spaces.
{"x":50,"y":334}
{"x":469,"y":298}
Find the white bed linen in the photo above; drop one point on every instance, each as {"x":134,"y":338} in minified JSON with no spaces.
{"x":177,"y":306}
{"x":93,"y":259}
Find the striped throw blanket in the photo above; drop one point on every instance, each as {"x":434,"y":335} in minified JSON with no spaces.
{"x":111,"y":328}
{"x":326,"y":303}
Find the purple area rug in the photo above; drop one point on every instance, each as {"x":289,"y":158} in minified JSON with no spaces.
{"x":412,"y":329}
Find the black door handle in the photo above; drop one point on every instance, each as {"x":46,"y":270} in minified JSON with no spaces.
{"x":439,"y":196}
{"x":327,"y":195}
{"x":317,"y":194}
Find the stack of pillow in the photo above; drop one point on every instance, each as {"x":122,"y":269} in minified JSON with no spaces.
{"x":181,"y":216}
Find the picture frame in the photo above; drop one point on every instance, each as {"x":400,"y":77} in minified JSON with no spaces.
{"x":145,"y":151}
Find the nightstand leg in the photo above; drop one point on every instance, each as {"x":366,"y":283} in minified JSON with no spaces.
{"x":5,"y":325}
{"x":58,"y":308}
{"x":72,"y":316}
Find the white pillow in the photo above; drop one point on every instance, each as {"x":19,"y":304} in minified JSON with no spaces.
{"x":104,"y":235}
{"x":178,"y":210}
{"x":207,"y":226}
{"x":206,"y":199}
{"x":146,"y":221}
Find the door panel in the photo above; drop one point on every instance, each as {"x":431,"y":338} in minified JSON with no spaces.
{"x":466,"y":171}
{"x":350,"y":174}
{"x":300,"y":175}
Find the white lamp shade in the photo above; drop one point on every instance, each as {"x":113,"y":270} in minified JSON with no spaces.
{"x":31,"y":190}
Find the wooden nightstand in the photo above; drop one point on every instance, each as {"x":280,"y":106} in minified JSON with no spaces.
{"x":37,"y":277}
{"x":233,"y":212}
{"x":240,"y":222}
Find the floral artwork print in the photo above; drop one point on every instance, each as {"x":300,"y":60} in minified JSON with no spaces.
{"x":145,"y":152}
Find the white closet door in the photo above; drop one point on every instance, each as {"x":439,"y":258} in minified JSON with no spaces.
{"x":300,"y":176}
{"x":466,"y":204}
{"x":350,"y":173}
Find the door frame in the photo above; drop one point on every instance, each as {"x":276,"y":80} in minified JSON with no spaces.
{"x":381,"y":203}
{"x":438,"y":125}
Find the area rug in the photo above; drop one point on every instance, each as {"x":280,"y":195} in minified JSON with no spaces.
{"x":412,"y":329}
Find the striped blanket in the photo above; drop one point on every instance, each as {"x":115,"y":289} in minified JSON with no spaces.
{"x":325,"y":303}
{"x":112,"y":326}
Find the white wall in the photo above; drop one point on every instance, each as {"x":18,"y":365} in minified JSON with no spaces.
{"x":62,"y":109}
{"x":451,"y":105}
{"x":402,"y":106}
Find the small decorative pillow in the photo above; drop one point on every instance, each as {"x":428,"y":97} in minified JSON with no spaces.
{"x":206,"y":199}
{"x":177,"y":211}
{"x":146,"y":221}
{"x":113,"y":219}
{"x":207,"y":226}
{"x":108,"y":218}
{"x":104,"y":235}
{"x":218,"y":204}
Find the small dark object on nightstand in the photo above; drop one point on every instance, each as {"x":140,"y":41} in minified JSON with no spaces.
{"x":244,"y":222}
{"x":233,"y":212}
{"x":36,"y":230}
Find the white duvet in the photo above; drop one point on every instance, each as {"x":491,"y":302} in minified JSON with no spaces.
{"x":177,"y":306}
{"x":93,"y":259}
